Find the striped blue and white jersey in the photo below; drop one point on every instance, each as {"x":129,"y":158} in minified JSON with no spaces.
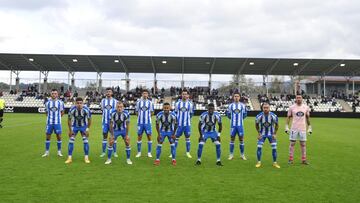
{"x":184,"y":111}
{"x":208,"y":121}
{"x":167,"y":122}
{"x":53,"y":110}
{"x":107,"y":106}
{"x":79,"y":117}
{"x":236,"y":112}
{"x":120,"y":120}
{"x":144,"y":108}
{"x":266,"y":123}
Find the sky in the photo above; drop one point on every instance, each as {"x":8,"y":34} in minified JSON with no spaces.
{"x":233,"y":28}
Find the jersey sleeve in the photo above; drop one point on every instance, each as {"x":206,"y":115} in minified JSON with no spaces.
{"x":218,"y":117}
{"x":276,"y":119}
{"x":70,"y":113}
{"x":62,"y":106}
{"x":308,"y":111}
{"x":228,"y":112}
{"x":244,"y":111}
{"x":102,"y":104}
{"x":158,"y":118}
{"x":88,"y":112}
{"x":176,"y":107}
{"x":151,"y":106}
{"x":127,"y":117}
{"x":137,"y":106}
{"x":192,"y":109}
{"x":257,"y":119}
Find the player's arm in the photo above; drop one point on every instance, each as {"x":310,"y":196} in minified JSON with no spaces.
{"x":228,"y":112}
{"x":308,"y":123}
{"x":258,"y":128}
{"x":289,"y":115}
{"x":199,"y":128}
{"x":127,"y":127}
{"x":69,"y":124}
{"x":276,"y":129}
{"x":112,"y":127}
{"x":152,"y":109}
{"x":244,"y":112}
{"x":62,"y":109}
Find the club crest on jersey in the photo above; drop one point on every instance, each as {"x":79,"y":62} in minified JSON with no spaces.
{"x":300,"y":114}
{"x":166,"y":124}
{"x":236,"y":111}
{"x":144,"y":108}
{"x":209,"y":123}
{"x":54,"y":108}
{"x":108,"y":107}
{"x":119,"y":122}
{"x":79,"y":118}
{"x":183,"y":109}
{"x":267,"y":124}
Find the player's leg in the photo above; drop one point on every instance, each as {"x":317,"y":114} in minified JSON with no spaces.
{"x":148,"y":131}
{"x":303,"y":148}
{"x":85,"y":138}
{"x":216,"y":140}
{"x":115,"y":148}
{"x":127,"y":149}
{"x":172,"y":149}
{"x":110,"y":147}
{"x":104,"y":143}
{"x":58,"y":132}
{"x":259,"y":151}
{"x":273,"y":143}
{"x":202,"y":141}
{"x":1,"y":117}
{"x":242,"y":143}
{"x":71,"y":145}
{"x":158,"y":148}
{"x":179,"y":132}
{"x":139,"y":140}
{"x":187,"y":133}
{"x":48,"y":133}
{"x":293,"y":137}
{"x":233,"y":132}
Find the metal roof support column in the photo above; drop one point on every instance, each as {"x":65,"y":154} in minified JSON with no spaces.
{"x":324,"y":86}
{"x":39,"y":85}
{"x":319,"y":86}
{"x":182,"y":73}
{"x":155,"y":84}
{"x":10,"y":80}
{"x":210,"y":85}
{"x":72,"y":81}
{"x":127,"y":82}
{"x":46,"y":74}
{"x":237,"y":82}
{"x":353,"y":86}
{"x":98,"y":81}
{"x":17,"y":80}
{"x":265,"y":84}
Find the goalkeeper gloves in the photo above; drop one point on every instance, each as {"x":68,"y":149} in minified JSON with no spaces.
{"x":310,"y":129}
{"x":287,"y":130}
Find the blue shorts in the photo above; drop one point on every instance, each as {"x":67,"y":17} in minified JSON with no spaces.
{"x":144,"y":127}
{"x":56,"y":128}
{"x":212,"y":135}
{"x":105,"y":128}
{"x":82,"y":130}
{"x":164,"y":135}
{"x":118,"y":133}
{"x":263,"y":139}
{"x":239,"y":130}
{"x":183,"y":129}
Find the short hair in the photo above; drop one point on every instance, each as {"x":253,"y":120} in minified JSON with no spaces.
{"x":108,"y":88}
{"x":298,"y":94}
{"x":120,"y":102}
{"x":211,"y":105}
{"x":79,"y":99}
{"x":166,"y":104}
{"x":185,"y":90}
{"x":54,"y":90}
{"x":264,"y":103}
{"x":238,"y":93}
{"x":145,"y":90}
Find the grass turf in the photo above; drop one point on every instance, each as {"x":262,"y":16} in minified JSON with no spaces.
{"x":333,"y":175}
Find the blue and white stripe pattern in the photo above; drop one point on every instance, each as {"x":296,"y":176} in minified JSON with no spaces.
{"x":166,"y":122}
{"x":184,"y":111}
{"x":236,"y":112}
{"x":120,"y":120}
{"x":208,"y":121}
{"x":79,"y":117}
{"x":144,"y":108}
{"x":267,"y":123}
{"x":53,"y":109}
{"x":107,"y":106}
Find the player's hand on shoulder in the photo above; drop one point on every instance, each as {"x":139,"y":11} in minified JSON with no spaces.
{"x":259,"y":136}
{"x":274,"y":136}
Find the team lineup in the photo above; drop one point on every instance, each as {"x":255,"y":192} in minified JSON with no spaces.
{"x":172,"y":124}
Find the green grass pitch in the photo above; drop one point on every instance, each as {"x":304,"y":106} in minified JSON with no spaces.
{"x":332,"y":176}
